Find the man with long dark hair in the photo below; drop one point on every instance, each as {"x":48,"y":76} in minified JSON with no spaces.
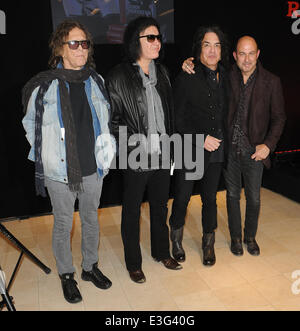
{"x":66,"y":120}
{"x":201,"y":108}
{"x":141,"y":98}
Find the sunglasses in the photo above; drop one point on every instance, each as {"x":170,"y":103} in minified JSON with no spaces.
{"x":151,"y":37}
{"x":74,"y":44}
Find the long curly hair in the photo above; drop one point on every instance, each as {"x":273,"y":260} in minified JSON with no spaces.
{"x":58,"y":38}
{"x":198,"y":38}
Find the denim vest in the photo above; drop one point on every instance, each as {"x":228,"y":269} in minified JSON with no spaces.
{"x":53,"y":137}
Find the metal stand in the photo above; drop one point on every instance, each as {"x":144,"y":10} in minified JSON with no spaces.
{"x":7,"y":301}
{"x":6,"y":298}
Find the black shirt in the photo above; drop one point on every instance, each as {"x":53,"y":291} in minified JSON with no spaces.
{"x":217,"y":96}
{"x":240,"y":137}
{"x":85,"y":138}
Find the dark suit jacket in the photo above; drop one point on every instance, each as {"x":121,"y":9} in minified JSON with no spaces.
{"x":266,"y":113}
{"x":194,"y":106}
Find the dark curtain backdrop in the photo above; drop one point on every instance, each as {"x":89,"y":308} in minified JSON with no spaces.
{"x":24,"y":52}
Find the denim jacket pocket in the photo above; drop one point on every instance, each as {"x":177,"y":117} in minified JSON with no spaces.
{"x":50,"y":112}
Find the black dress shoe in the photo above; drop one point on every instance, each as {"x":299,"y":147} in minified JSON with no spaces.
{"x":208,"y":241}
{"x":96,"y":277}
{"x":236,"y":247}
{"x":252,"y":246}
{"x":170,"y":263}
{"x":69,"y":286}
{"x":137,"y":276}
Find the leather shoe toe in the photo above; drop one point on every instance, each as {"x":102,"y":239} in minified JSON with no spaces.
{"x":137,"y":276}
{"x":96,"y":277}
{"x":237,"y":247}
{"x":252,"y":246}
{"x":170,"y":263}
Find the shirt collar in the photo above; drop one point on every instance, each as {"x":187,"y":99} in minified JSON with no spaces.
{"x":209,"y":71}
{"x":250,"y":79}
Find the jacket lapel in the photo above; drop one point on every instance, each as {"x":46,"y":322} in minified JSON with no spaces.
{"x":257,"y":99}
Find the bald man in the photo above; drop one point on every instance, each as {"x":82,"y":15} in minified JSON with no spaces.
{"x":255,"y":122}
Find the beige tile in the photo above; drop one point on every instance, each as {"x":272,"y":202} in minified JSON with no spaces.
{"x":290,"y":241}
{"x":26,"y":307}
{"x":252,"y":308}
{"x":192,"y":245}
{"x":176,"y":285}
{"x":25,"y":293}
{"x":269,"y":245}
{"x":193,"y":260}
{"x":104,"y":300}
{"x":234,"y":283}
{"x":151,"y":295}
{"x":224,"y":255}
{"x":284,"y":262}
{"x":273,"y":229}
{"x":55,"y":296}
{"x":202,"y":300}
{"x":243,"y":297}
{"x":221,"y":275}
{"x":254,"y":268}
{"x":278,"y":291}
{"x":62,"y":307}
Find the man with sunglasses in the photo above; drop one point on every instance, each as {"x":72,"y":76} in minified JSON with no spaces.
{"x":66,"y":123}
{"x":141,"y":99}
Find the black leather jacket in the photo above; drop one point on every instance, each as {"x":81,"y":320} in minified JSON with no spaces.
{"x":129,"y":102}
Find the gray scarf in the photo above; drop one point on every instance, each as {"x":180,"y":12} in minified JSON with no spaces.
{"x":156,"y":118}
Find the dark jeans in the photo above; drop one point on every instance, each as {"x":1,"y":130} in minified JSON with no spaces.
{"x":208,"y":192}
{"x":251,"y":171}
{"x":157,"y":183}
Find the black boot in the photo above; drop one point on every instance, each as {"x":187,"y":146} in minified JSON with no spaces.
{"x":208,"y":241}
{"x":236,"y":246}
{"x":177,"y":249}
{"x":252,"y":246}
{"x":69,"y":286}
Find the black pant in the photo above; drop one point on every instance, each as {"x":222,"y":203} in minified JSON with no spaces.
{"x":208,"y":192}
{"x":251,"y":171}
{"x":157,"y":184}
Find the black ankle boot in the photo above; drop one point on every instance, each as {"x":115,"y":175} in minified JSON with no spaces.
{"x":177,"y":249}
{"x":208,"y":241}
{"x":236,"y":246}
{"x":252,"y":246}
{"x":69,"y":286}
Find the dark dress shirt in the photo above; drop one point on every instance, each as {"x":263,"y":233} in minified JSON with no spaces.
{"x":215,"y":84}
{"x":240,"y":138}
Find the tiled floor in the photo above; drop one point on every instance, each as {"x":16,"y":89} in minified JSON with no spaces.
{"x":234,"y":283}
